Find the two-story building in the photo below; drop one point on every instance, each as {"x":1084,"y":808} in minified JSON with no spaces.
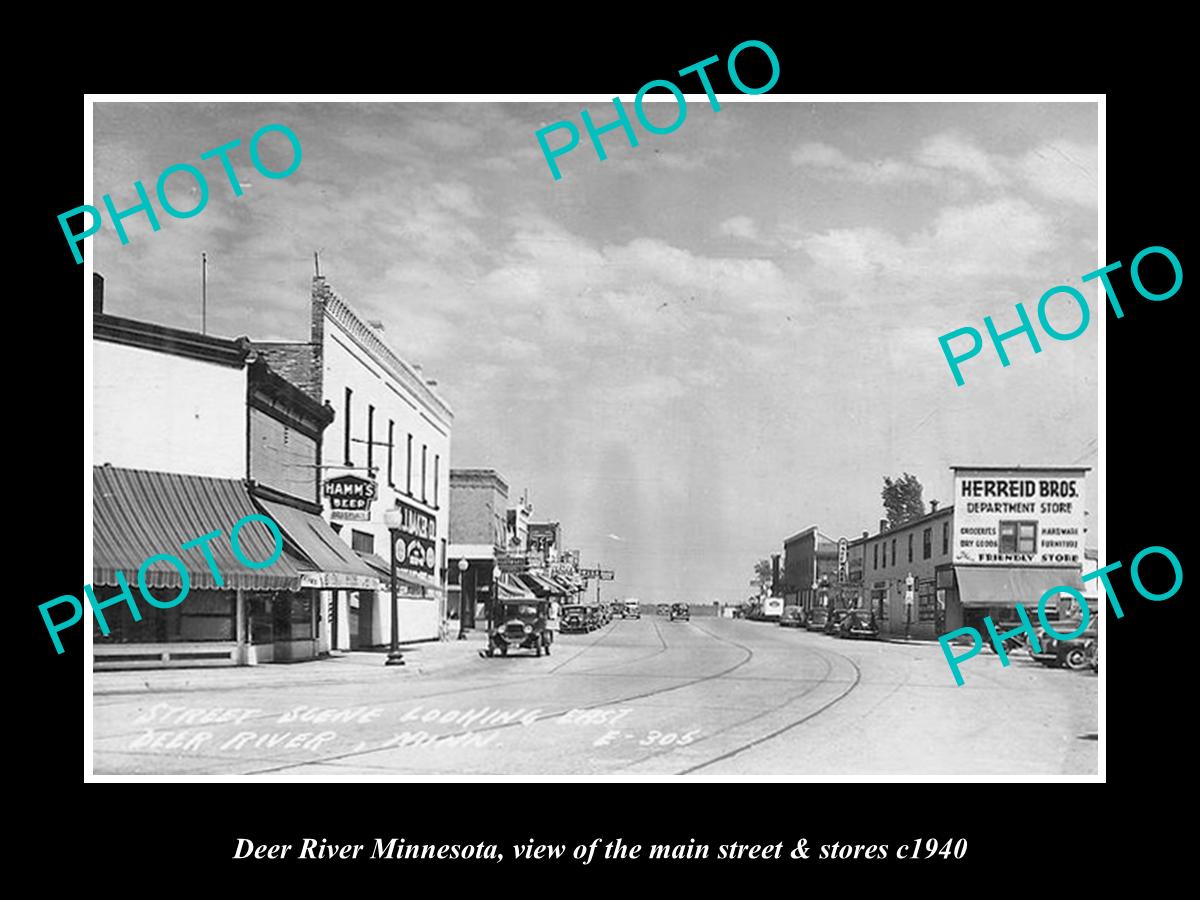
{"x":810,"y":564}
{"x":191,"y":433}
{"x":478,"y":536}
{"x":390,"y":451}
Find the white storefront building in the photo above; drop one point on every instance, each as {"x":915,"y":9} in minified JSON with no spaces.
{"x":387,"y":448}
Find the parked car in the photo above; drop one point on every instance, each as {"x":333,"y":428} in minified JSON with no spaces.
{"x":593,"y":617}
{"x":680,"y":611}
{"x":633,"y":610}
{"x":859,"y":624}
{"x":1073,"y":653}
{"x":573,"y":620}
{"x":817,"y":617}
{"x":834,"y":621}
{"x":792,"y":617}
{"x":663,"y":609}
{"x":521,"y":624}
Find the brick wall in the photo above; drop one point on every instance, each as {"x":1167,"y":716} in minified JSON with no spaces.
{"x":478,"y":504}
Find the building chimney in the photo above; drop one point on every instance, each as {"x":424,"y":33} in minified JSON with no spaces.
{"x":97,"y":293}
{"x":933,"y":506}
{"x":882,"y":525}
{"x":866,"y":534}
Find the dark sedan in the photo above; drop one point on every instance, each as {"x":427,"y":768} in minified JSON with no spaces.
{"x":1073,"y":653}
{"x":834,"y":620}
{"x":817,"y":617}
{"x":859,"y":624}
{"x":573,"y":620}
{"x":792,"y":617}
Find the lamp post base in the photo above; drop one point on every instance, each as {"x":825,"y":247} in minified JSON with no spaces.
{"x":394,"y":658}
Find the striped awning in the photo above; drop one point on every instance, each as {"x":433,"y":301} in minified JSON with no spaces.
{"x":138,"y":514}
{"x":333,"y":563}
{"x":541,"y":585}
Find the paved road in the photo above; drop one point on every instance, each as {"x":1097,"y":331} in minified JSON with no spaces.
{"x":713,"y":697}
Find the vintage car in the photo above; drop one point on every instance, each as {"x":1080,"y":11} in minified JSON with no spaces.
{"x":573,"y":619}
{"x":663,"y":609}
{"x":817,"y":617}
{"x":859,"y":624}
{"x":680,"y":611}
{"x":834,"y":620}
{"x":593,"y":617}
{"x":1073,"y":653}
{"x":521,"y":624}
{"x":633,"y":610}
{"x":792,"y":617}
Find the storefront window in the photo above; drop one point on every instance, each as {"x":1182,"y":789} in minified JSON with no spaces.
{"x":294,"y":617}
{"x":202,"y":616}
{"x":879,"y":602}
{"x":926,"y":597}
{"x":261,"y":610}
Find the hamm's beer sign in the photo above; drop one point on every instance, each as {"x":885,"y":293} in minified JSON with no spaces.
{"x":350,"y":497}
{"x":1031,"y":517}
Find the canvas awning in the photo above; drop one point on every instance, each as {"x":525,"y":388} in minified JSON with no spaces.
{"x":540,"y":584}
{"x":138,"y":514}
{"x":379,"y":565}
{"x":332,"y":563}
{"x":506,"y":591}
{"x":1012,"y":585}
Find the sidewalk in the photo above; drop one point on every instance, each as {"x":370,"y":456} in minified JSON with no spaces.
{"x":343,"y":666}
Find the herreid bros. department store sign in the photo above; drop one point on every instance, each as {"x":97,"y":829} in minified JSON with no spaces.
{"x":350,"y":497}
{"x":416,"y":540}
{"x":1019,"y":516}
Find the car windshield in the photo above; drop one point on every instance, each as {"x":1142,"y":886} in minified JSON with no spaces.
{"x":572,"y":609}
{"x":521,"y":610}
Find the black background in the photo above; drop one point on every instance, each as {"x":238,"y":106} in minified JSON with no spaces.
{"x":1032,"y":838}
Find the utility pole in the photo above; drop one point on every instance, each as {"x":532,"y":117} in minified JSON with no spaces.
{"x":204,"y":293}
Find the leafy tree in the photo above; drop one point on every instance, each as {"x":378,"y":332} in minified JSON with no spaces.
{"x":902,"y":499}
{"x":762,"y":572}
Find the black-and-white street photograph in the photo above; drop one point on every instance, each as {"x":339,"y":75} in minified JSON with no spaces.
{"x":541,"y":439}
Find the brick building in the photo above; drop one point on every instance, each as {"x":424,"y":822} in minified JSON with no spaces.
{"x":478,"y":534}
{"x":389,"y":451}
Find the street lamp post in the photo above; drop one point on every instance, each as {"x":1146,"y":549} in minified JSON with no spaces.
{"x":494,"y":597}
{"x":463,"y":565}
{"x":392,"y":518}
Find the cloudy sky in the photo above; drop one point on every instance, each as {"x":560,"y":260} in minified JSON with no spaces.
{"x":687,"y":351}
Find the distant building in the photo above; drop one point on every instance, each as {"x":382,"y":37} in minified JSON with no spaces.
{"x":479,"y":535}
{"x":809,"y":564}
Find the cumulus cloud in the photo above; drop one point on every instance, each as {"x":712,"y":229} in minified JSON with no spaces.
{"x":739,"y":227}
{"x":1055,"y":170}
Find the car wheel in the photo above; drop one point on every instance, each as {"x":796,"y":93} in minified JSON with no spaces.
{"x":1077,"y":659}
